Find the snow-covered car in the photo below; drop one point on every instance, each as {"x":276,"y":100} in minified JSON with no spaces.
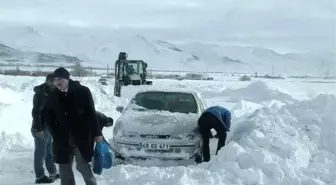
{"x":103,"y":81}
{"x":159,"y":124}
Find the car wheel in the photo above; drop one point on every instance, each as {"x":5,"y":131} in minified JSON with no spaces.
{"x":198,"y":159}
{"x":199,"y":156}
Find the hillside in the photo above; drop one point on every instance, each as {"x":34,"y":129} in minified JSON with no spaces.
{"x":101,"y":47}
{"x":9,"y":55}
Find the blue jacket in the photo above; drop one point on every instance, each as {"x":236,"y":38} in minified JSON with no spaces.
{"x":222,"y":114}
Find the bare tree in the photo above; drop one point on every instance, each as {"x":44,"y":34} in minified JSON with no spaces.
{"x":79,"y":70}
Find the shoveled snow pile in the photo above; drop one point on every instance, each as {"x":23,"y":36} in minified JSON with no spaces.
{"x":290,"y":145}
{"x":270,"y":146}
{"x":7,"y":94}
{"x":13,"y":143}
{"x":103,"y":96}
{"x":256,"y":92}
{"x":242,"y":107}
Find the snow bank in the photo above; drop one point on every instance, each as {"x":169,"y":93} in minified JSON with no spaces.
{"x":243,"y":107}
{"x":288,"y":145}
{"x":271,"y":145}
{"x":256,"y":92}
{"x":16,"y":95}
{"x":8,"y":94}
{"x":13,"y":143}
{"x":103,"y":96}
{"x":248,"y":98}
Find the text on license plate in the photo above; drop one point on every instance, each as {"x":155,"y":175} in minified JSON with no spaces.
{"x":155,"y":146}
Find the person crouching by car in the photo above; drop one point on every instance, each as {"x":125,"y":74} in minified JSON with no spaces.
{"x":103,"y":120}
{"x":219,"y":119}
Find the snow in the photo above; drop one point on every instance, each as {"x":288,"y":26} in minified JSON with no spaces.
{"x":101,"y":47}
{"x":283,"y":133}
{"x":170,"y":89}
{"x":162,"y":48}
{"x":271,"y":139}
{"x":158,"y":122}
{"x":256,"y":92}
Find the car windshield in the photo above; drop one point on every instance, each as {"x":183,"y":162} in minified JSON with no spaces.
{"x":165,"y":101}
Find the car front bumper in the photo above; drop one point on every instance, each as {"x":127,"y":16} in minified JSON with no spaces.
{"x":177,"y":150}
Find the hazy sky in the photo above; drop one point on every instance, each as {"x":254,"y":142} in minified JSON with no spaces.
{"x":284,"y":25}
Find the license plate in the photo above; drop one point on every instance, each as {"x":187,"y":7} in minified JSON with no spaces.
{"x":155,"y":146}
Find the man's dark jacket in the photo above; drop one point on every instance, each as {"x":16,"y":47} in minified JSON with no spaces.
{"x":39,"y":101}
{"x":72,"y":114}
{"x":222,"y":114}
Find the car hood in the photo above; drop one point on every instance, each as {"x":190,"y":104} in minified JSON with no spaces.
{"x":157,"y":122}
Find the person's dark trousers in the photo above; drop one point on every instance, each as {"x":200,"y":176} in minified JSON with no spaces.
{"x":207,"y":122}
{"x":43,"y":154}
{"x":66,"y":172}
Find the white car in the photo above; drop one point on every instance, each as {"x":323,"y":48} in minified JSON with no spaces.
{"x":159,"y":124}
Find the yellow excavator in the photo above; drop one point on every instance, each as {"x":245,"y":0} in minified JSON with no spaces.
{"x":129,"y":72}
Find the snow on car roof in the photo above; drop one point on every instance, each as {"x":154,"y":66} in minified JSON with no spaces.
{"x":173,"y":90}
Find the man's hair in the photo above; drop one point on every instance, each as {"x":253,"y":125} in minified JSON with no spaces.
{"x":50,"y":77}
{"x":109,"y":119}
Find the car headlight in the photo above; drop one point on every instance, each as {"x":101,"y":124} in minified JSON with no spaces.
{"x":132,"y":134}
{"x":123,"y":133}
{"x":128,"y":134}
{"x":190,"y":137}
{"x":177,"y":137}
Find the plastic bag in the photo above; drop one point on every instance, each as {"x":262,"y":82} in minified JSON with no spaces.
{"x":103,"y":157}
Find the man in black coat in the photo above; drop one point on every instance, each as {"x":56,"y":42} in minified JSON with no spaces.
{"x":72,"y":121}
{"x":43,"y":152}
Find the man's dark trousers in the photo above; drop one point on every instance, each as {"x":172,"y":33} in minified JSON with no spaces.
{"x":43,"y":154}
{"x":207,"y":122}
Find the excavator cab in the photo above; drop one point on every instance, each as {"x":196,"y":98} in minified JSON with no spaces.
{"x":129,"y":72}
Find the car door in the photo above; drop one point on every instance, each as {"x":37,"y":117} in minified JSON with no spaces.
{"x":200,"y":103}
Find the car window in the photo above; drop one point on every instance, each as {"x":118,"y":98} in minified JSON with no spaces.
{"x":166,"y":101}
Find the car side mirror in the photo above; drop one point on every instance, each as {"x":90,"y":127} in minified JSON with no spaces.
{"x":120,"y":108}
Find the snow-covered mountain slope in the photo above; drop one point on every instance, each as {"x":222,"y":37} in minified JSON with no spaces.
{"x":263,"y":60}
{"x":100,"y":47}
{"x":9,"y":55}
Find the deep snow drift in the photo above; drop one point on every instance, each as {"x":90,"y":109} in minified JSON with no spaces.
{"x":275,"y":138}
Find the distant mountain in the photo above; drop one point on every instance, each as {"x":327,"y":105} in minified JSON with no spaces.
{"x":262,"y":60}
{"x":99,"y":48}
{"x":11,"y":55}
